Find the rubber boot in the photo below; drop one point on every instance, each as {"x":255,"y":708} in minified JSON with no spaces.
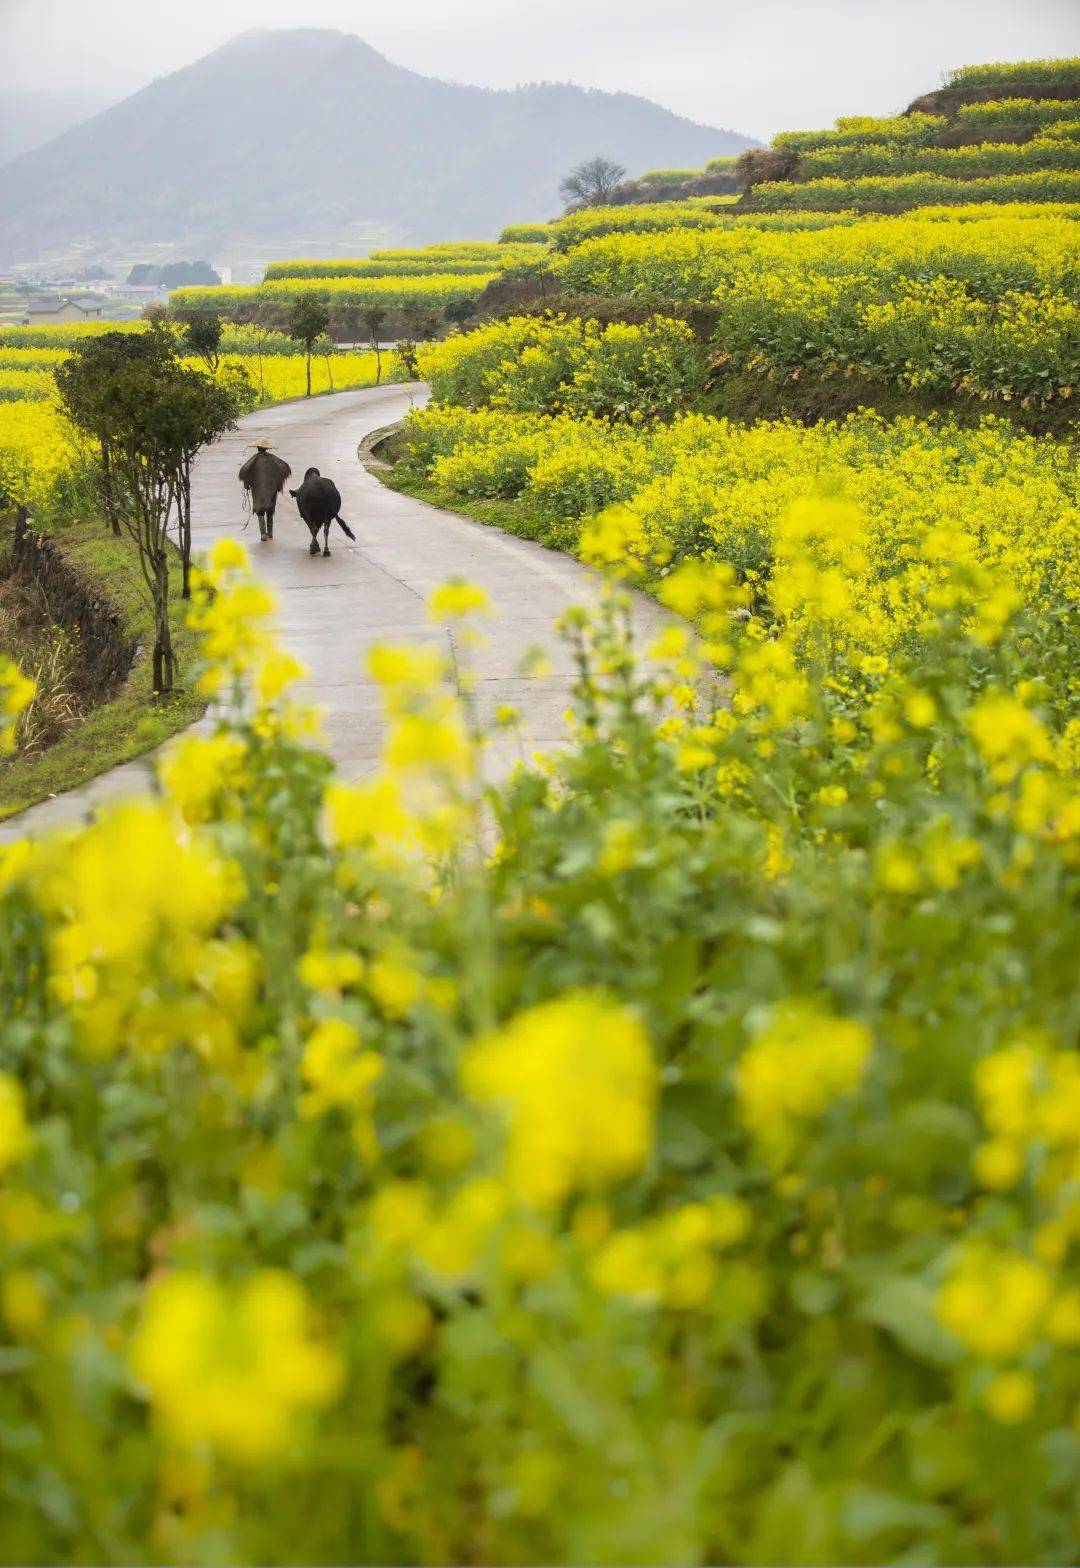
{"x":270,"y":525}
{"x":262,"y":528}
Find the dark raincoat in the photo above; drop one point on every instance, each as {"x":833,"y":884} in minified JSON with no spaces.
{"x":264,"y":475}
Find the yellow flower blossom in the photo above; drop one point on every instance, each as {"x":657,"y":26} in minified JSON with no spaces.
{"x":802,"y":1062}
{"x":995,"y":1302}
{"x":14,"y":1131}
{"x":454,"y":600}
{"x":576,"y":1079}
{"x":336,"y":1069}
{"x":232,"y":1366}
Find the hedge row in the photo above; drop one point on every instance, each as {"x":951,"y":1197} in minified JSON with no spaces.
{"x":1017,"y":111}
{"x":863,"y":131}
{"x":983,"y":160}
{"x":900,"y":193}
{"x":1041,"y":71}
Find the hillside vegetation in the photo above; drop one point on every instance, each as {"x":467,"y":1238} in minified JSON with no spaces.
{"x":998,"y":135}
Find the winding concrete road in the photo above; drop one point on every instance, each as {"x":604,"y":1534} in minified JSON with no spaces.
{"x":373,"y":590}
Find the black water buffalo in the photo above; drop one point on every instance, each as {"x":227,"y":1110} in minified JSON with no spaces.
{"x":318,"y":501}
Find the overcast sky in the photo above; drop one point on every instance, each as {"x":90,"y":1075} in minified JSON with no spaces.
{"x":757,"y":66}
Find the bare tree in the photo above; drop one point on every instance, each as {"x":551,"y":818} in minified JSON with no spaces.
{"x":592,"y":182}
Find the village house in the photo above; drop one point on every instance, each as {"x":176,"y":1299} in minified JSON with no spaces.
{"x":48,"y":311}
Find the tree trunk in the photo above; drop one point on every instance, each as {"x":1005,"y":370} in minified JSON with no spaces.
{"x":185,"y":529}
{"x":378,"y":362}
{"x":309,"y":372}
{"x":164,"y":660}
{"x":107,"y":495}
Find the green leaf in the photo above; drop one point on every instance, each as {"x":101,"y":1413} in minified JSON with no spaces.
{"x":904,"y":1308}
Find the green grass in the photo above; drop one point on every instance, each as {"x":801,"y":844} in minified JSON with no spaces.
{"x":132,"y":721}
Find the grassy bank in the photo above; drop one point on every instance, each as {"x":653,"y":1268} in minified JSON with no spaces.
{"x":132,"y":720}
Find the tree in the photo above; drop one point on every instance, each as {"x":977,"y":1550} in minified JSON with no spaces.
{"x":150,"y":413}
{"x":309,"y":319}
{"x":421,"y":323}
{"x":202,"y":337}
{"x":204,"y":407}
{"x":83,"y":383}
{"x":459,"y":311}
{"x":324,"y":346}
{"x":592,"y":182}
{"x":374,"y":319}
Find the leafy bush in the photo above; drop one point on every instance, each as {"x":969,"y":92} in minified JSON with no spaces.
{"x":554,"y":365}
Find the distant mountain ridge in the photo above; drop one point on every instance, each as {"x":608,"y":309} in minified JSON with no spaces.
{"x":30,"y":119}
{"x":281,"y":134}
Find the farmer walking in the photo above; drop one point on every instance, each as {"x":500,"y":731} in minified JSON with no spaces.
{"x":263,"y":476}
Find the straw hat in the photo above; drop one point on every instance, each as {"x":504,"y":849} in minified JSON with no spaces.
{"x":263,"y":445}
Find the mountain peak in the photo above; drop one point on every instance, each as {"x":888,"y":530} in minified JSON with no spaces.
{"x":308,"y":139}
{"x":312,"y":40}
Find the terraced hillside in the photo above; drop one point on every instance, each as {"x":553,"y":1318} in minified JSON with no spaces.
{"x":993,"y":133}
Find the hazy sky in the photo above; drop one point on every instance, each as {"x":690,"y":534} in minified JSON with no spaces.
{"x":755,"y":65}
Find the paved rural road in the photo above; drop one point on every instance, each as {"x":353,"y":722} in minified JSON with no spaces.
{"x":333,"y":610}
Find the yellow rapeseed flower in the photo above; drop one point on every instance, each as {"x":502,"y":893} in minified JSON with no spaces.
{"x":232,"y":1366}
{"x":995,"y":1302}
{"x":577,"y":1082}
{"x":14,"y":1131}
